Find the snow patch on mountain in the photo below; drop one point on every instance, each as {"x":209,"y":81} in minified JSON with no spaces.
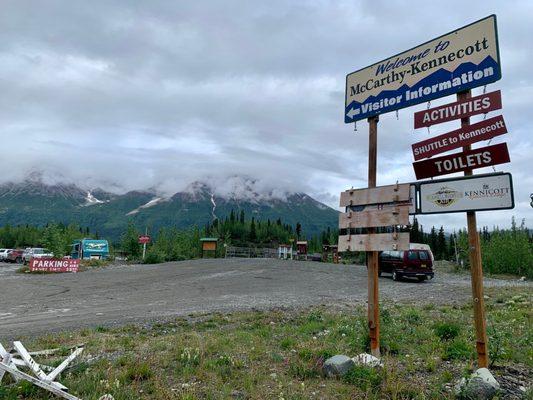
{"x":91,"y":200}
{"x":151,"y":203}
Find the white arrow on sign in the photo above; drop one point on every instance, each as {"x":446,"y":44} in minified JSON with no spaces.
{"x":352,"y":112}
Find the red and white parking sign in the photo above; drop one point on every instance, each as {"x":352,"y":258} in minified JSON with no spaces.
{"x":54,"y":265}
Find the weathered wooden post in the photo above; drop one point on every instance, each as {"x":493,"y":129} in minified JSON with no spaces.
{"x":372,"y":256}
{"x":476,"y":268}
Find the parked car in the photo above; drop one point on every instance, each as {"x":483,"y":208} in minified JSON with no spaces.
{"x":411,"y":263}
{"x":422,"y":246}
{"x":3,"y":254}
{"x":35,"y":252}
{"x":14,"y":256}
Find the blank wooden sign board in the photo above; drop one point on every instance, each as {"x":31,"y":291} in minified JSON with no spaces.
{"x":377,"y":195}
{"x":392,"y":209}
{"x":375,"y":242}
{"x":389,"y":216}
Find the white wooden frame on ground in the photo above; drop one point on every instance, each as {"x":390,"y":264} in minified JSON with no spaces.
{"x":9,"y":363}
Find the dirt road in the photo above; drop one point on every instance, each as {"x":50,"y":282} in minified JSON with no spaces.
{"x":35,"y":304}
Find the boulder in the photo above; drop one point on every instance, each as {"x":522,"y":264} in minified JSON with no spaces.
{"x":336,"y":366}
{"x":481,"y":385}
{"x":368,"y":360}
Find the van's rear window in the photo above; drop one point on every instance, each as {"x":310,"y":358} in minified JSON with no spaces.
{"x":412,"y":255}
{"x":423,"y":255}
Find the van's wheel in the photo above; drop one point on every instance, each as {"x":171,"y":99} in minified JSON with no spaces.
{"x":395,"y":276}
{"x":421,"y":278}
{"x":18,"y":260}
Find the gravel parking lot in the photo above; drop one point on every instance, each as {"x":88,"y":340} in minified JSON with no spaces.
{"x":35,"y":304}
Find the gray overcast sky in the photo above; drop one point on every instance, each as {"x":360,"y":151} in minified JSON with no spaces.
{"x":137,"y":94}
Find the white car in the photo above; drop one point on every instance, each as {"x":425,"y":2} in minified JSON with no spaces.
{"x":35,"y":252}
{"x":3,"y":253}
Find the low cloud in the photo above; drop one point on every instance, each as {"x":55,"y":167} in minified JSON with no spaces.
{"x":161,"y":94}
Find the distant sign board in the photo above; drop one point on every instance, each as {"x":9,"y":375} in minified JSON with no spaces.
{"x":471,"y":193}
{"x":481,"y":104}
{"x":483,"y":130}
{"x":144,"y":239}
{"x":462,"y":59}
{"x":54,"y":265}
{"x":457,"y":162}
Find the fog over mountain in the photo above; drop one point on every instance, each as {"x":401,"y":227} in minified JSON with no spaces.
{"x":157,"y":95}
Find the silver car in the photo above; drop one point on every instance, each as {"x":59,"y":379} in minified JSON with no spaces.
{"x":3,"y":253}
{"x":35,"y":252}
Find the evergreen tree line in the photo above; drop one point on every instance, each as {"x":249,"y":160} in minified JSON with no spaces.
{"x":55,"y":237}
{"x":171,"y":244}
{"x":503,"y":251}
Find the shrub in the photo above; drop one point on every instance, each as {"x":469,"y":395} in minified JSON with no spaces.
{"x":364,"y":377}
{"x":139,"y":371}
{"x":94,"y":263}
{"x":154,"y":256}
{"x":457,"y":350}
{"x":447,"y":330}
{"x":303,"y":370}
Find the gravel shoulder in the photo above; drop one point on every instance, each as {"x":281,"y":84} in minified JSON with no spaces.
{"x":37,"y":304}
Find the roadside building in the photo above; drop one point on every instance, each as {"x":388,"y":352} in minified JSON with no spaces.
{"x":209,"y":247}
{"x":285,"y":252}
{"x":301,"y":249}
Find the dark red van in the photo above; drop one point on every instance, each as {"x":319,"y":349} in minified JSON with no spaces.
{"x":409,"y":263}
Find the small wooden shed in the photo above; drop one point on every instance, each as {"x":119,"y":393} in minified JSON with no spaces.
{"x":301,"y":247}
{"x":209,"y":247}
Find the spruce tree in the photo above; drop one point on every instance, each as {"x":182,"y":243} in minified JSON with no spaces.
{"x":253,"y":233}
{"x":441,"y":244}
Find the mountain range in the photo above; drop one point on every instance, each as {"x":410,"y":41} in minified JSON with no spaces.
{"x":36,"y":203}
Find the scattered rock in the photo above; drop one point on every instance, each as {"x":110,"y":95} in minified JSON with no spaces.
{"x":522,"y":279}
{"x":338,"y":365}
{"x":367,"y":359}
{"x":480,"y":386}
{"x":106,"y":397}
{"x":238,"y":394}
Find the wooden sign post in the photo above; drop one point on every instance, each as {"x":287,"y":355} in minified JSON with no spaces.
{"x":423,"y":73}
{"x":476,"y":269}
{"x":372,"y":256}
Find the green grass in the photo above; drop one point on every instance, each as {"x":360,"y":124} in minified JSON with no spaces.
{"x":278,"y":354}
